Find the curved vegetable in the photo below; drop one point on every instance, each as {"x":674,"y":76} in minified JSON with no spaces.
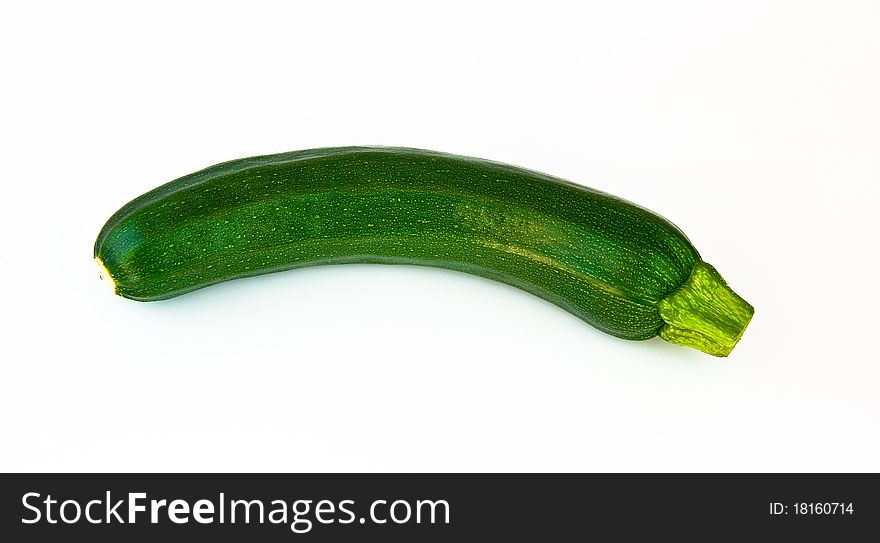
{"x":619,"y":267}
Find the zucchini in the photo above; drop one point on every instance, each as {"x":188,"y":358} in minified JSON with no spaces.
{"x":619,"y":267}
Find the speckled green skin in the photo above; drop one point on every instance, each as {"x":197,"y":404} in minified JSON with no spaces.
{"x":604,"y":259}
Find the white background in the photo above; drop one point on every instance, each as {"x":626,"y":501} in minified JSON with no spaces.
{"x":755,"y":126}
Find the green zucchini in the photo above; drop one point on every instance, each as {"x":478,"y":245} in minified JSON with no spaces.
{"x":617,"y":266}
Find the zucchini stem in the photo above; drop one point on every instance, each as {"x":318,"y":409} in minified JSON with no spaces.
{"x":705,"y":313}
